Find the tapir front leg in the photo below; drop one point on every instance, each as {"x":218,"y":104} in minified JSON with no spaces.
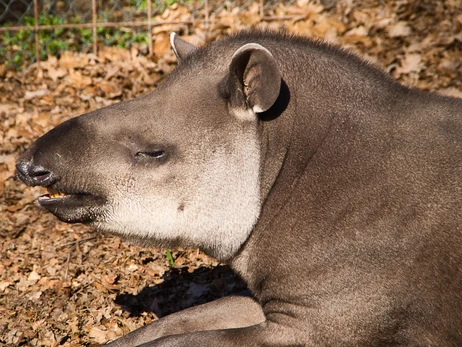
{"x":263,"y":334}
{"x":225,"y":313}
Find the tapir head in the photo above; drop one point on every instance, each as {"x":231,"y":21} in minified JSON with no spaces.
{"x":177,"y":166}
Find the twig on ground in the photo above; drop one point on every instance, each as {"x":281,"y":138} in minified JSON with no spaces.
{"x":76,"y":242}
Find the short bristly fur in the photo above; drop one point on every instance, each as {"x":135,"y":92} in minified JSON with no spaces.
{"x":333,"y":190}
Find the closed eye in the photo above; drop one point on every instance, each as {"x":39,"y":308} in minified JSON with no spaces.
{"x":159,"y":154}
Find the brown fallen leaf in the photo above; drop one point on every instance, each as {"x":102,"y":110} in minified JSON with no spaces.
{"x":410,"y":63}
{"x":29,"y":95}
{"x":399,"y":29}
{"x":98,"y":335}
{"x":70,"y":60}
{"x":161,"y":44}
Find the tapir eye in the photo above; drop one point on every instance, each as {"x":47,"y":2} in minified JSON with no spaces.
{"x":157,"y":154}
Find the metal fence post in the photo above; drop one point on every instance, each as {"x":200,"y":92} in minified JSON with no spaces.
{"x":207,"y":24}
{"x":36,"y":31}
{"x":151,"y":48}
{"x":95,"y":34}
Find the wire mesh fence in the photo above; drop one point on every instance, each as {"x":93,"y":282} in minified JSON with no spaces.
{"x":30,"y":30}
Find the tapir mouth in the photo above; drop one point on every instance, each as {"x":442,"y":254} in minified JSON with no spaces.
{"x":52,"y":195}
{"x":56,"y":196}
{"x":73,"y":207}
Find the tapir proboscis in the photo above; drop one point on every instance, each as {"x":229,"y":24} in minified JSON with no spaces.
{"x":334,"y":191}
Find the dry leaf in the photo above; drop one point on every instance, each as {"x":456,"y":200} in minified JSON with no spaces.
{"x":399,"y":29}
{"x":161,"y":45}
{"x":56,"y":73}
{"x":454,"y":92}
{"x":4,"y":285}
{"x":78,"y":80}
{"x":357,"y":35}
{"x":71,"y":60}
{"x":98,"y":335}
{"x":34,"y":276}
{"x":110,"y":89}
{"x":410,"y":63}
{"x":29,"y":95}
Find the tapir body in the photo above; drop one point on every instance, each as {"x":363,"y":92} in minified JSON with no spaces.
{"x":334,"y":191}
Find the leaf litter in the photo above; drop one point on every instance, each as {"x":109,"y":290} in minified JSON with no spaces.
{"x":67,"y":285}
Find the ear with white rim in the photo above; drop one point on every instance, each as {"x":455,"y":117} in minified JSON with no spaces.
{"x":180,"y":47}
{"x":254,"y":81}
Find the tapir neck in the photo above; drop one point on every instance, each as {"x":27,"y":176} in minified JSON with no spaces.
{"x":322,"y":96}
{"x":307,"y":130}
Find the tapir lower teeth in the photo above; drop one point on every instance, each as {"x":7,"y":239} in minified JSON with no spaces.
{"x":55,"y":194}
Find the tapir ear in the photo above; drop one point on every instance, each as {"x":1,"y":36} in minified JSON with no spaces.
{"x":254,"y":81}
{"x":180,"y":47}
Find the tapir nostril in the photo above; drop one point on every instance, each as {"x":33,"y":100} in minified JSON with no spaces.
{"x":38,"y":171}
{"x":34,"y":175}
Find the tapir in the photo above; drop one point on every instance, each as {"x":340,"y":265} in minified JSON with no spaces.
{"x":334,"y":191}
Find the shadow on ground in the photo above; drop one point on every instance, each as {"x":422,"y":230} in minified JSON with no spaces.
{"x":182,"y":289}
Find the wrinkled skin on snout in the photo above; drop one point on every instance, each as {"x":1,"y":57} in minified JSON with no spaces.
{"x":331,"y":189}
